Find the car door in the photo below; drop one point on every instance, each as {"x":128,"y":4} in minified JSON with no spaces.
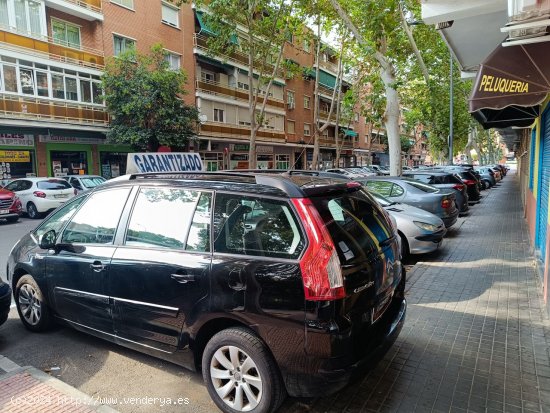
{"x":159,"y":277}
{"x":77,"y":273}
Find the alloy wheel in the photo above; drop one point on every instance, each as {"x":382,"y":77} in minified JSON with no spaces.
{"x":236,"y":378}
{"x":30,"y":305}
{"x":32,"y":211}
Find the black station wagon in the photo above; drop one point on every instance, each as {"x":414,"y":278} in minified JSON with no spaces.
{"x":268,"y":284}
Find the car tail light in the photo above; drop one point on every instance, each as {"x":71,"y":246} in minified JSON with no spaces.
{"x":39,"y":194}
{"x":458,"y":187}
{"x":321,"y":272}
{"x":469,"y":181}
{"x":446,"y":203}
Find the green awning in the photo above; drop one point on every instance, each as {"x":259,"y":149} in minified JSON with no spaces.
{"x":215,"y":63}
{"x":208,"y":31}
{"x":351,"y":133}
{"x":327,"y":80}
{"x":245,"y":72}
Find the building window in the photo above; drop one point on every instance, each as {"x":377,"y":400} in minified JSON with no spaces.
{"x":27,"y":17}
{"x":219,"y":115}
{"x":307,"y":102}
{"x":126,"y":3}
{"x":33,"y":79}
{"x":170,"y":15}
{"x":305,"y":44}
{"x":291,"y":103}
{"x":207,"y":77}
{"x":242,"y":85}
{"x":307,"y":129}
{"x":123,"y":44}
{"x":174,"y":60}
{"x":66,"y":34}
{"x":356,"y":117}
{"x":290,"y":127}
{"x":282,"y":161}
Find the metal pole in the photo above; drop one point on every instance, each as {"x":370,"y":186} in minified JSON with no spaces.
{"x":451,"y":107}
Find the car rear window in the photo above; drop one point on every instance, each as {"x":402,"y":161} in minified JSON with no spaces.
{"x":356,"y":223}
{"x":53,"y":184}
{"x":423,"y":187}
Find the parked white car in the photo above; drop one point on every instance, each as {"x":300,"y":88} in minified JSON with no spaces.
{"x":83,"y":183}
{"x":41,"y":195}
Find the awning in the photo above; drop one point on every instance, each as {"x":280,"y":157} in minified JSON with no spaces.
{"x":210,"y":32}
{"x":351,"y":133}
{"x":325,"y":78}
{"x":510,"y":86}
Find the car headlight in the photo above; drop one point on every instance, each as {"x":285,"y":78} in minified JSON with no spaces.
{"x":425,"y":226}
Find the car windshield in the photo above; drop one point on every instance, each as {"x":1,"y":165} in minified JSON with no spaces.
{"x":381,"y":200}
{"x":423,"y":187}
{"x":53,"y":184}
{"x":92,"y":182}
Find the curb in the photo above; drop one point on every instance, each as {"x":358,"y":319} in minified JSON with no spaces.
{"x":9,"y":369}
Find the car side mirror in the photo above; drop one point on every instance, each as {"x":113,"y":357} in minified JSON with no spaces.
{"x":47,"y":240}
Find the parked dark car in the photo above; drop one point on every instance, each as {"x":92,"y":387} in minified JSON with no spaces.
{"x":487,"y":176}
{"x":470,"y":180}
{"x":240,"y":275}
{"x":10,"y":206}
{"x":5,"y":301}
{"x":440,"y":202}
{"x":444,"y":180}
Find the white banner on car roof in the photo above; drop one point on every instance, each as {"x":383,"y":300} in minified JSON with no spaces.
{"x":164,"y":162}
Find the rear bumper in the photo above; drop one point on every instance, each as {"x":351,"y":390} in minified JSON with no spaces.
{"x":450,"y":220}
{"x":5,"y":301}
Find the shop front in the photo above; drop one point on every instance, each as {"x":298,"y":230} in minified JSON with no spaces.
{"x":113,"y":160}
{"x":17,"y":156}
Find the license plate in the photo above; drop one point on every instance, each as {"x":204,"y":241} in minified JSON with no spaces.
{"x":4,"y":211}
{"x":60,"y":196}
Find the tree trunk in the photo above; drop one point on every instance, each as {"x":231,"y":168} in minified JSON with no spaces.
{"x":391,"y":119}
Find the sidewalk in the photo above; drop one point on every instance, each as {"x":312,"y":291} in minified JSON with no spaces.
{"x":26,"y":389}
{"x":477,"y":337}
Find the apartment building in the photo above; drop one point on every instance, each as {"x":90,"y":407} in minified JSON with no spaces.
{"x":52,"y":115}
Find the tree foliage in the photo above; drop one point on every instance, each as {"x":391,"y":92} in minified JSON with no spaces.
{"x":144,"y":98}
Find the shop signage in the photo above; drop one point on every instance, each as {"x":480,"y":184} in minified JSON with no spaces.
{"x":16,"y":140}
{"x":502,"y":85}
{"x":264,"y":149}
{"x":239,"y":147}
{"x":68,"y":139}
{"x":164,"y":162}
{"x":15,"y":156}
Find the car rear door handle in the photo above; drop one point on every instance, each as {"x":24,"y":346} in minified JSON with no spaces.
{"x":97,"y":266}
{"x":183,"y":278}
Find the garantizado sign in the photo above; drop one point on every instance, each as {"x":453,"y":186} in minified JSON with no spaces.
{"x":163,"y":162}
{"x":502,"y":85}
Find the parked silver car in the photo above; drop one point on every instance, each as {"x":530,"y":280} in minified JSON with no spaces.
{"x":420,"y":231}
{"x":440,"y":202}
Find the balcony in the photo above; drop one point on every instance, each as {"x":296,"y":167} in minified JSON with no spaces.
{"x":85,"y":9}
{"x":45,"y":47}
{"x":332,"y":67}
{"x":228,"y":130}
{"x":330,"y":142}
{"x":44,"y":110}
{"x":219,"y":89}
{"x":238,"y":58}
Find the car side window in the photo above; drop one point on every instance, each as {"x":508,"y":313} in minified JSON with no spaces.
{"x":162,"y":218}
{"x":75,"y":183}
{"x":13,"y":186}
{"x":254,"y":226}
{"x":97,"y":220}
{"x":397,"y":190}
{"x":59,"y":218}
{"x":383,"y":188}
{"x":24,"y":185}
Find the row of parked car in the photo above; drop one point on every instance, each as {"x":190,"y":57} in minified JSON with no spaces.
{"x":426,"y":201}
{"x":269,"y":282}
{"x":38,"y":196}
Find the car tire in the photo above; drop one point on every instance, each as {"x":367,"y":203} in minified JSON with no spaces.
{"x":238,"y":358}
{"x":12,"y":219}
{"x":31,"y":305}
{"x":32,"y":212}
{"x":487,"y":183}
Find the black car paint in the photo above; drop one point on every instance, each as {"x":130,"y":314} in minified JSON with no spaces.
{"x":318,"y":345}
{"x":5,"y":301}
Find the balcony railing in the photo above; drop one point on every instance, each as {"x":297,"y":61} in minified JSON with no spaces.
{"x":93,"y":5}
{"x":225,"y":129}
{"x":218,"y":89}
{"x":51,"y":111}
{"x":330,"y":66}
{"x":48,"y":48}
{"x":201,"y":43}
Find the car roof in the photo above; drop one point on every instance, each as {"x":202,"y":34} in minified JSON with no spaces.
{"x":426,"y":172}
{"x":38,"y":178}
{"x":84,"y":176}
{"x":263,"y":182}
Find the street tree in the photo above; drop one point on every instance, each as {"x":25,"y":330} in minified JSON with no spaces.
{"x":143,"y":96}
{"x":259,"y":30}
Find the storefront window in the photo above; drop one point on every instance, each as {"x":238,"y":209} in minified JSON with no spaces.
{"x":16,"y":164}
{"x":69,"y":163}
{"x":264,"y":161}
{"x":113,"y":164}
{"x":213,"y":161}
{"x":238,"y":161}
{"x":283,"y":162}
